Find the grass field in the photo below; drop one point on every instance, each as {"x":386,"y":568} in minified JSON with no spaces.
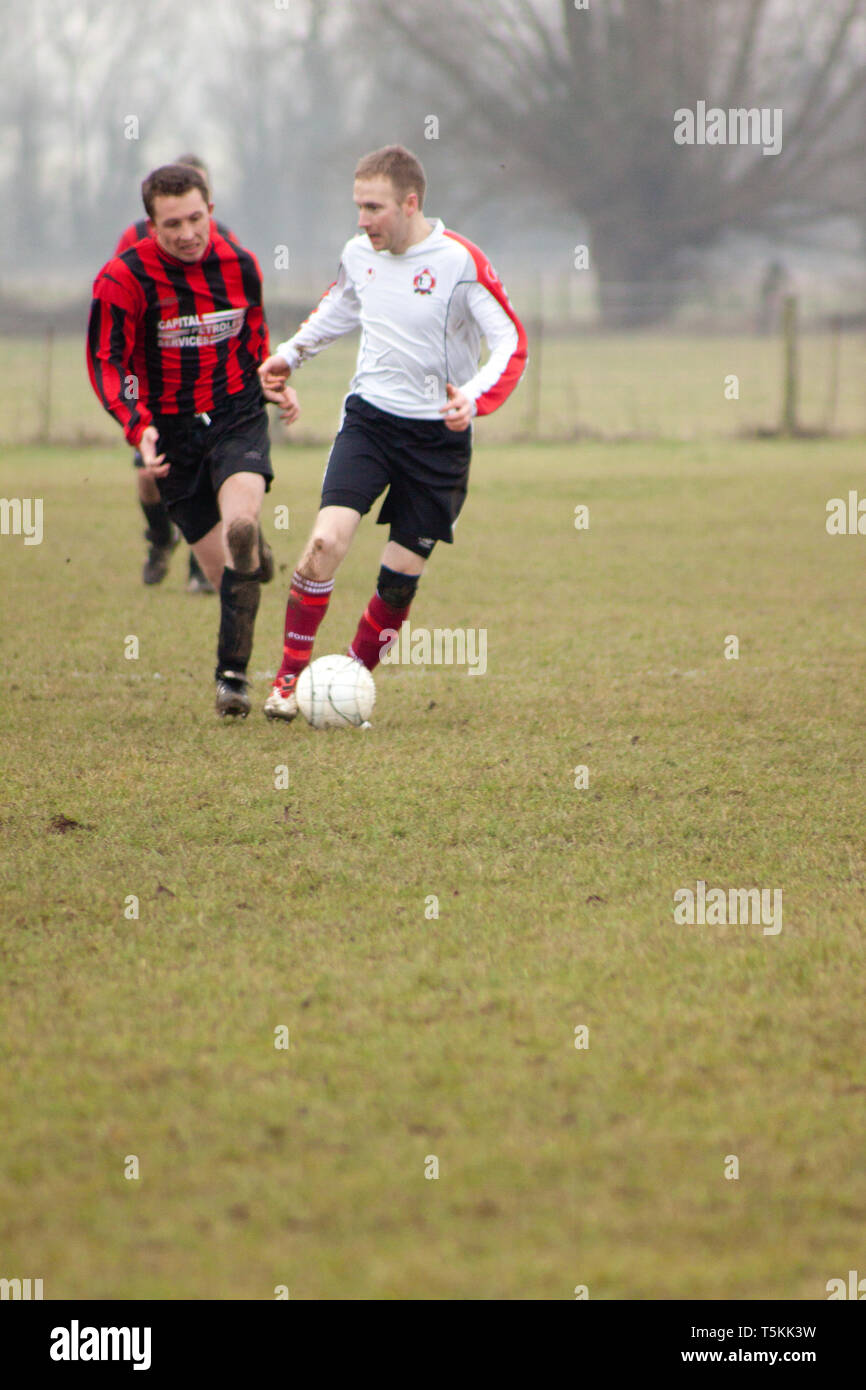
{"x":412,"y":1036}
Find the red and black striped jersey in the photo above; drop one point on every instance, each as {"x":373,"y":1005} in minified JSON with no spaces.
{"x":170,"y":337}
{"x":136,"y":230}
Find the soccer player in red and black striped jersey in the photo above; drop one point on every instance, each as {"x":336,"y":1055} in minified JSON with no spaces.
{"x":161,"y":535}
{"x":177,"y":332}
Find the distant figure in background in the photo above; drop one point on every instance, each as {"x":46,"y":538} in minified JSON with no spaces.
{"x":160,"y":535}
{"x":774,"y":286}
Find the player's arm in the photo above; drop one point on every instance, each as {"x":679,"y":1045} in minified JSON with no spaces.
{"x":111,"y":330}
{"x":493,"y":383}
{"x":275,"y":388}
{"x":115,"y":313}
{"x":337,"y":313}
{"x":256,"y":321}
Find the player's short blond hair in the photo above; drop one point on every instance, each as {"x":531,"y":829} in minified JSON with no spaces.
{"x":398,"y":164}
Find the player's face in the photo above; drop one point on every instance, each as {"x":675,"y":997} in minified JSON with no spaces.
{"x":182,"y":224}
{"x":386,"y":222}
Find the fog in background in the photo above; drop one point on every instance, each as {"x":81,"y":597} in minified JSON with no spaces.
{"x":541,"y":126}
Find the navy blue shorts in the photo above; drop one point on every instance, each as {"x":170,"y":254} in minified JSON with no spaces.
{"x":423,"y":464}
{"x":202,"y":456}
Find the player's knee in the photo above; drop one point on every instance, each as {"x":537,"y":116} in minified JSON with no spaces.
{"x":241,"y":539}
{"x":327,"y":547}
{"x":397,"y":590}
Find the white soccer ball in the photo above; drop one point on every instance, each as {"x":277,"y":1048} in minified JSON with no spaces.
{"x":335,"y":692}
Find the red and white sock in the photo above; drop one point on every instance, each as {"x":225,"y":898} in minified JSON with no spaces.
{"x":367,"y":645}
{"x":307,"y":606}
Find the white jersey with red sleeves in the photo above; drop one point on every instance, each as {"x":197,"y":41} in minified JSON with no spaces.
{"x":422,"y":316}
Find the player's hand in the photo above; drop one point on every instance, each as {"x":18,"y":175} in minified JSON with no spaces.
{"x":459,"y":410}
{"x":273,"y":374}
{"x":154,"y":463}
{"x":287,"y":400}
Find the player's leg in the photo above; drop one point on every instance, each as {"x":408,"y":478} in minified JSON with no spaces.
{"x":238,"y":473}
{"x":430,"y":473}
{"x":332,"y":534}
{"x":239,"y":499}
{"x":401,"y":568}
{"x":309,"y":596}
{"x":161,"y":535}
{"x":197,"y":581}
{"x":356,"y":473}
{"x":209,"y":556}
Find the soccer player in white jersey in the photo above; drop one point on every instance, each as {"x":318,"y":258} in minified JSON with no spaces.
{"x":423,"y":298}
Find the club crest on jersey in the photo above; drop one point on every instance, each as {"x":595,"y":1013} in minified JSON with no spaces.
{"x":424,"y":281}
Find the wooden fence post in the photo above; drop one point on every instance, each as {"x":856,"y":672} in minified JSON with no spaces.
{"x":47,"y":378}
{"x":789,"y":334}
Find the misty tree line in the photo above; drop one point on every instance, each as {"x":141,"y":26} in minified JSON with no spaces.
{"x":541,"y":112}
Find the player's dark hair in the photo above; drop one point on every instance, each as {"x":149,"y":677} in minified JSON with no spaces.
{"x":398,"y":164}
{"x":170,"y":181}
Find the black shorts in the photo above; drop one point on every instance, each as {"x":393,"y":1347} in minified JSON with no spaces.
{"x":202,"y":456}
{"x":423,"y":464}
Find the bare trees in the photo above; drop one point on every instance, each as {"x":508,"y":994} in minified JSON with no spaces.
{"x":584,"y":98}
{"x":282,"y":81}
{"x":83,"y":86}
{"x":551,"y":102}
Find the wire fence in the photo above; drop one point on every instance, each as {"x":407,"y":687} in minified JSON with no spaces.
{"x":707,"y":371}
